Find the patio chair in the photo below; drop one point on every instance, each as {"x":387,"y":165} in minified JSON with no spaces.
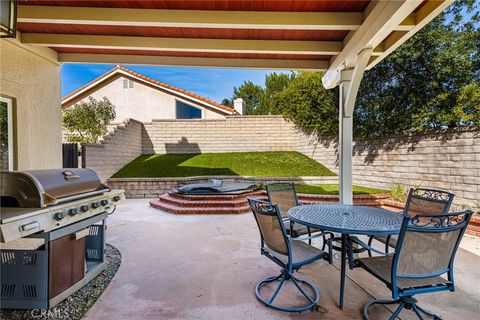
{"x":425,"y":250}
{"x":290,"y":254}
{"x":285,"y":197}
{"x":419,"y":200}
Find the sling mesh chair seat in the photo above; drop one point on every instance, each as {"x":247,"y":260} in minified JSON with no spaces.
{"x":290,"y":254}
{"x":419,"y":201}
{"x":285,"y":197}
{"x":425,"y":251}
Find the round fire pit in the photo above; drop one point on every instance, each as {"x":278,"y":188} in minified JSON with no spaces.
{"x":217,"y":187}
{"x":216,"y":197}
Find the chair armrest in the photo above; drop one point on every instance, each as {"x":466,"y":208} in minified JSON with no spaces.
{"x":316,"y":235}
{"x":370,"y":248}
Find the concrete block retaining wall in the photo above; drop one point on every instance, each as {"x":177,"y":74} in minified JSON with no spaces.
{"x":232,"y":134}
{"x":448,"y":159}
{"x":118,"y":148}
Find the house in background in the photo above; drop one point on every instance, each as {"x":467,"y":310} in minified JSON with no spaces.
{"x":144,"y":99}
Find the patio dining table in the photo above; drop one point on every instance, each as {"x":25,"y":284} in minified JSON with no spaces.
{"x":347,"y":220}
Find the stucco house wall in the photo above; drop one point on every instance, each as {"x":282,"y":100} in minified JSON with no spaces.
{"x":34,"y":83}
{"x":142,"y":102}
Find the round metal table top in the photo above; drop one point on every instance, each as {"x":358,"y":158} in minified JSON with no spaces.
{"x":347,"y":219}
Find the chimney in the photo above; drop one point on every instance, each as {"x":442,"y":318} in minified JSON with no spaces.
{"x":239,"y":106}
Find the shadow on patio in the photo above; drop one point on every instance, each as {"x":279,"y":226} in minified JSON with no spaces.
{"x":206,"y":267}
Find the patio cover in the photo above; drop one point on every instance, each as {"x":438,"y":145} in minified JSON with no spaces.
{"x":343,"y":38}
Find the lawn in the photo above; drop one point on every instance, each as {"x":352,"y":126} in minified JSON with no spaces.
{"x":260,"y":164}
{"x":333,"y":189}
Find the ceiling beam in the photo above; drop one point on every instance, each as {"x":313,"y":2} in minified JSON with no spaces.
{"x":191,"y":18}
{"x":383,"y":17}
{"x":195,"y":18}
{"x":427,"y":13}
{"x":186,"y":44}
{"x":269,"y":64}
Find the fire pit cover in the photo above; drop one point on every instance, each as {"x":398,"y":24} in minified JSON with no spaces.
{"x":209,"y":188}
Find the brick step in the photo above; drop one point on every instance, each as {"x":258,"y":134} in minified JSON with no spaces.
{"x":217,"y":202}
{"x":473,"y":226}
{"x":182,"y":210}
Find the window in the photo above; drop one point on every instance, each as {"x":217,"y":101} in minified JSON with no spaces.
{"x":186,"y":111}
{"x":127,"y":83}
{"x":6,"y":134}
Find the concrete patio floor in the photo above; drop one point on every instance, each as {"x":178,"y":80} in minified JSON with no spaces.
{"x":206,"y":267}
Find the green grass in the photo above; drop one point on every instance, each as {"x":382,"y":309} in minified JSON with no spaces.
{"x":260,"y":164}
{"x":333,"y":189}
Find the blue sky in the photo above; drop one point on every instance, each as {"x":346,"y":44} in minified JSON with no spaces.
{"x":212,"y":83}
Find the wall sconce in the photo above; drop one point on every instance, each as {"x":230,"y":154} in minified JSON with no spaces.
{"x":8,"y":18}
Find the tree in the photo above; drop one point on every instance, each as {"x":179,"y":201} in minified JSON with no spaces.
{"x":306,"y":102}
{"x":87,"y":121}
{"x":431,"y":81}
{"x":228,"y":102}
{"x":300,"y":97}
{"x":275,"y":83}
{"x":251,"y":93}
{"x":258,"y":99}
{"x":467,"y":107}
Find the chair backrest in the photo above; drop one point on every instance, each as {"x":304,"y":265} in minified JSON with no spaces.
{"x":427,"y":201}
{"x":283,"y":195}
{"x":270,"y":224}
{"x":427,"y":244}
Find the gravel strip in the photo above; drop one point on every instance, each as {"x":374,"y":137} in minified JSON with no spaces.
{"x":75,"y":306}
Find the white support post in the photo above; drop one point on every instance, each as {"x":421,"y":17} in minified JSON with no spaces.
{"x":345,"y":139}
{"x":349,"y":84}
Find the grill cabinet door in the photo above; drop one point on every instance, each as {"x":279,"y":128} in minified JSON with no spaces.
{"x":66,"y":264}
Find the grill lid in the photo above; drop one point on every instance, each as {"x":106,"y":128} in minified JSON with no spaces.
{"x":41,"y":188}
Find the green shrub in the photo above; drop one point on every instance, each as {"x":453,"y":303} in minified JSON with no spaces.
{"x":398,"y":192}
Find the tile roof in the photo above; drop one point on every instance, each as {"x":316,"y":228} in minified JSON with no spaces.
{"x":150,"y":80}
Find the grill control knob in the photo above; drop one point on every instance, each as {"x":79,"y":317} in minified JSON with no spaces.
{"x":116,"y":198}
{"x":84,"y":208}
{"x":95,"y":205}
{"x":59,"y":215}
{"x":73,"y":211}
{"x":104,"y":202}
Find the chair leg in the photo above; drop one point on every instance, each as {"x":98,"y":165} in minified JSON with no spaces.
{"x":275,"y":293}
{"x":387,"y":244}
{"x":296,"y":281}
{"x":370,"y":240}
{"x":417,"y":312}
{"x":397,"y":312}
{"x":426,"y":311}
{"x":371,"y":303}
{"x":409,"y":303}
{"x":285,"y":276}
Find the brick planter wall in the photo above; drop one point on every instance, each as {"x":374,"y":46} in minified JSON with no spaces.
{"x":154,"y":187}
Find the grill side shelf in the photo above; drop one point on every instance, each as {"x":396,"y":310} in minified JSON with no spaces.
{"x":12,"y":227}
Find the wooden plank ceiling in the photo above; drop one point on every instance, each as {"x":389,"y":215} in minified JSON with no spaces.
{"x":224,"y":5}
{"x":292,"y":34}
{"x":196,"y":33}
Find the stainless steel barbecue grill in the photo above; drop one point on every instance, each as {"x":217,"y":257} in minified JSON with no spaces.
{"x":52,"y":234}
